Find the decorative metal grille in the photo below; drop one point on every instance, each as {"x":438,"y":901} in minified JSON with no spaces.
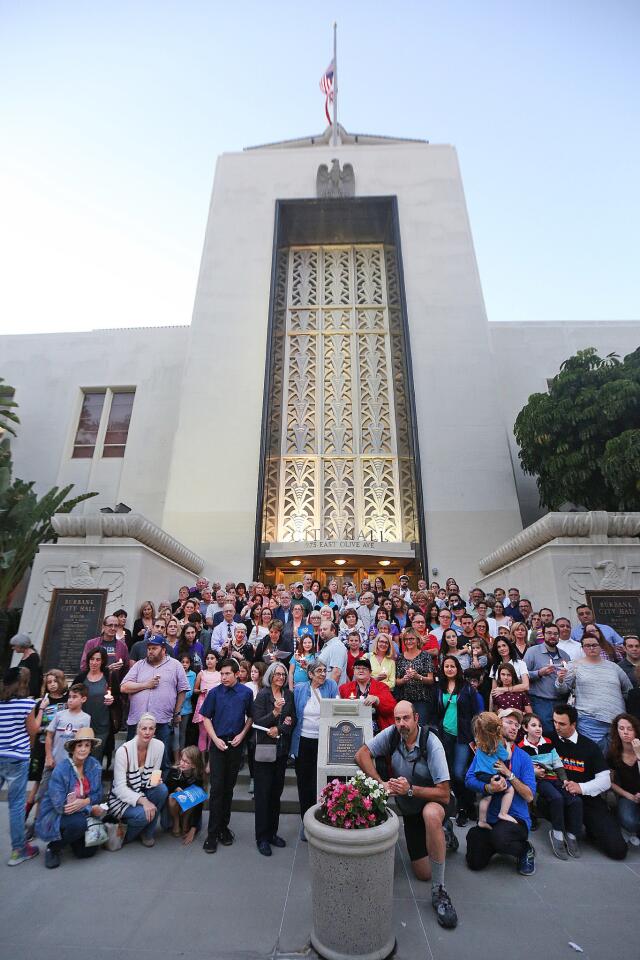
{"x":339,"y":476}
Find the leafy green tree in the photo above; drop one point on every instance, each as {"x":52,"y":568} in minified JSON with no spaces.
{"x":25,"y":518}
{"x":582,"y":439}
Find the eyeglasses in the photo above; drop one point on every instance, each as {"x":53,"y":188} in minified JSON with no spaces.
{"x":590,"y":646}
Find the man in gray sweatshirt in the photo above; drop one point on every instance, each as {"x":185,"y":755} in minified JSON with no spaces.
{"x":543,"y":662}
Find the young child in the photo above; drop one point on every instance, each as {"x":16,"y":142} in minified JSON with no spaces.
{"x":487,"y":732}
{"x":188,"y":773}
{"x":187,"y":706}
{"x":550,"y":775}
{"x":62,"y":728}
{"x":54,"y":699}
{"x":206,"y":680}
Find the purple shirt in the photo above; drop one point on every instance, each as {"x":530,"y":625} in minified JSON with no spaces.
{"x":161,"y":700}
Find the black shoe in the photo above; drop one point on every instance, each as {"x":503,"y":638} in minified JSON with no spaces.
{"x":51,"y":858}
{"x":462,"y":819}
{"x":264,"y":848}
{"x":451,"y":841}
{"x":226,"y":837}
{"x":210,"y":846}
{"x":445,"y":910}
{"x":534,"y":822}
{"x":277,"y":841}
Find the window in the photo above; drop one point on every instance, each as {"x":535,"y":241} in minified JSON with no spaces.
{"x":115,"y":438}
{"x":104,"y":420}
{"x":88,"y":426}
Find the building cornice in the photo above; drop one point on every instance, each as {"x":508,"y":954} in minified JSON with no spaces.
{"x":597,"y":525}
{"x":95,"y":527}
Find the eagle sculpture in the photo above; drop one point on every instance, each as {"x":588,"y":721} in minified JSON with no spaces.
{"x":333,"y":183}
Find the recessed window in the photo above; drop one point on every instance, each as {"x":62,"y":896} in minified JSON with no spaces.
{"x":88,"y":426}
{"x":104,"y":422}
{"x":115,"y":439}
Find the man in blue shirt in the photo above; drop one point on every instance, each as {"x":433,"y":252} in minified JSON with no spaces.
{"x":585,"y":616}
{"x":505,"y":837}
{"x":226,"y":715}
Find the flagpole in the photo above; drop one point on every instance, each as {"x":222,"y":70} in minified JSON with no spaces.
{"x":334,"y":125}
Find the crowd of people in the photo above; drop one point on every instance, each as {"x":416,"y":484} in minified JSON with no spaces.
{"x":483,"y":709}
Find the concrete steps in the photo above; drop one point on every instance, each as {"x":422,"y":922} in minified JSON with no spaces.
{"x":243,"y":801}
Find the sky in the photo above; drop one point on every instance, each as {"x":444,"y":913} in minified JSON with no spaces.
{"x":112,"y":116}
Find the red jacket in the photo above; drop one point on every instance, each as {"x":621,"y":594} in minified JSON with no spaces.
{"x":377,"y":688}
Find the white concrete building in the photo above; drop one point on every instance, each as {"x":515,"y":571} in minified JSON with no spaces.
{"x":297,"y":422}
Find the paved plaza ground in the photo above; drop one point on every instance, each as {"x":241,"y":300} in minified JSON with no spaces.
{"x":172,"y":902}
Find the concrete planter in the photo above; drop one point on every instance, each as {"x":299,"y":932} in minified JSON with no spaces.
{"x":352,"y":888}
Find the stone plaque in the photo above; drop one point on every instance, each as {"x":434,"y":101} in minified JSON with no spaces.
{"x":345,"y":739}
{"x":344,"y":726}
{"x":75,"y":616}
{"x":619,"y":609}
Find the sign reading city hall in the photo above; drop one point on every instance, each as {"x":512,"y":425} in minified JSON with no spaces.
{"x":75,"y":616}
{"x":619,"y":609}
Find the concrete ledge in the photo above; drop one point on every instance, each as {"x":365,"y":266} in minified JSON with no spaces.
{"x":598,"y":526}
{"x":95,"y":526}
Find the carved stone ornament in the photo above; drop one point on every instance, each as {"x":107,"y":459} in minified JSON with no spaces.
{"x":334,"y":183}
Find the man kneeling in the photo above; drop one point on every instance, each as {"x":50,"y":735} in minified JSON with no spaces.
{"x":419,"y":781}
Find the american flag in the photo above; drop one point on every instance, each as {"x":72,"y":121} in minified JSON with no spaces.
{"x":326,"y":85}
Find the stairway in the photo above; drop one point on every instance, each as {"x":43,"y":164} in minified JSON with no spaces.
{"x":243,"y":800}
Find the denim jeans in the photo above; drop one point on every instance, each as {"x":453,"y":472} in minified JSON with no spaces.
{"x":596,"y":730}
{"x":543,"y":707}
{"x":458,"y":759}
{"x":629,"y":815}
{"x":72,"y":830}
{"x":15,"y":773}
{"x":136,"y":819}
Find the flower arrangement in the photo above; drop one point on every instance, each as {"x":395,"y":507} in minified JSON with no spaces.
{"x":359,"y":803}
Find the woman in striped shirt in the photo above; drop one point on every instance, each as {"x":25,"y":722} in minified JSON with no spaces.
{"x":17,"y":725}
{"x":138,"y":794}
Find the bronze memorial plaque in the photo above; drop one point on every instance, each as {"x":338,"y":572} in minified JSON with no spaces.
{"x":75,"y":616}
{"x":345,"y":739}
{"x":619,"y":609}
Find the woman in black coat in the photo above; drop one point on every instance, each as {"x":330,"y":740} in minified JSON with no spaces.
{"x":273,"y":708}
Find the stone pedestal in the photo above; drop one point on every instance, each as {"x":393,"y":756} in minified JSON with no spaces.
{"x":125,"y":554}
{"x":344,"y":726}
{"x":352,"y":888}
{"x":561,"y":556}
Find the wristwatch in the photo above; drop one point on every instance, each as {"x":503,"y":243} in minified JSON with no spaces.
{"x":410,"y":791}
{"x":511,"y":776}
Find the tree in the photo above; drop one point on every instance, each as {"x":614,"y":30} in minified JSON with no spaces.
{"x":582,"y":439}
{"x":25,"y":518}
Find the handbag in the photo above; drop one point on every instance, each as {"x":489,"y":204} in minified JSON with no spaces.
{"x":116,"y":833}
{"x":266,"y":752}
{"x":96,"y":832}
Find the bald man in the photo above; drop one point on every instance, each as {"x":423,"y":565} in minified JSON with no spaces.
{"x":419,"y":781}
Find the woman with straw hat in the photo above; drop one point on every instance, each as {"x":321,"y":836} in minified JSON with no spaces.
{"x":73,"y":795}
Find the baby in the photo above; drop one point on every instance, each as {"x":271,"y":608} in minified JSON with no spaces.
{"x":487,"y":731}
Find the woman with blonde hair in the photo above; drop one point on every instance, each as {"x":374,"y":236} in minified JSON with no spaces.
{"x":138,"y":794}
{"x":381,"y":657}
{"x":144,"y":623}
{"x":519,"y":636}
